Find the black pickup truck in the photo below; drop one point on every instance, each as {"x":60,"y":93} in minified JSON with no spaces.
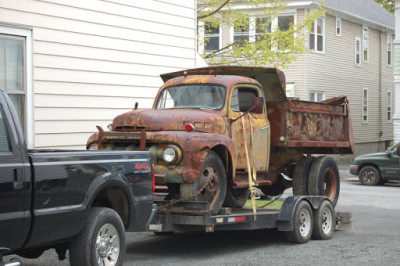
{"x":83,"y":201}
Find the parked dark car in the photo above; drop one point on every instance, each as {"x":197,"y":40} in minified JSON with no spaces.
{"x":377,"y":168}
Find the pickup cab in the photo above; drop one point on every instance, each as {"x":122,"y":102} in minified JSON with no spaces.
{"x":377,"y":168}
{"x":216,"y":133}
{"x":83,"y":201}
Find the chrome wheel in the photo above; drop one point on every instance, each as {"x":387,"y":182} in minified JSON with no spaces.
{"x":107,"y":245}
{"x":326,"y":220}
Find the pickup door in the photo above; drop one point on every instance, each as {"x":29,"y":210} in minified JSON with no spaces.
{"x":14,"y":181}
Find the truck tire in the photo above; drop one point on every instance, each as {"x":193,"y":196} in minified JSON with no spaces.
{"x":369,"y":175}
{"x":102,"y":240}
{"x":324,"y":221}
{"x":324,"y":179}
{"x":300,"y":176}
{"x":211,"y":165}
{"x":236,"y":198}
{"x":303,"y":224}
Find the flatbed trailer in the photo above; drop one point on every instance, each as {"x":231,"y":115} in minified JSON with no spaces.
{"x":300,"y":217}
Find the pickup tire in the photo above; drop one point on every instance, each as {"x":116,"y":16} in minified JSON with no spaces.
{"x":102,"y":240}
{"x":303,"y":224}
{"x":236,"y":198}
{"x":370,"y":176}
{"x":324,"y":221}
{"x":215,"y":192}
{"x":324,"y":179}
{"x":300,"y":176}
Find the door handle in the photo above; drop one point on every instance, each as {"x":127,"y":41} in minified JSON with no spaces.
{"x":18,"y":179}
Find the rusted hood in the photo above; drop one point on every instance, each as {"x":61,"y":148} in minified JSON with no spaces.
{"x":165,"y":120}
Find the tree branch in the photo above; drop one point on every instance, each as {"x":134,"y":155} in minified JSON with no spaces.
{"x":213,"y":12}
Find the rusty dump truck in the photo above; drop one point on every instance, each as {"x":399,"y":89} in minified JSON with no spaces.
{"x":214,"y":132}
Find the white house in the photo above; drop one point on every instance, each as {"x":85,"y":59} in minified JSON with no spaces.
{"x":69,"y":65}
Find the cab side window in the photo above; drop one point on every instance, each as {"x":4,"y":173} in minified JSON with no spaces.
{"x":4,"y":143}
{"x":242,"y":99}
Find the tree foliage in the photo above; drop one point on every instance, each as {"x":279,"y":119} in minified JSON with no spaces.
{"x":388,"y":4}
{"x":267,"y":43}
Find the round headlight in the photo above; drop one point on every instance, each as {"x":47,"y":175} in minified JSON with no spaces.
{"x":169,"y":155}
{"x":93,"y":147}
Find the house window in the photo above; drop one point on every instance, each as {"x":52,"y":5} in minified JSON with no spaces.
{"x":365,"y":105}
{"x":317,"y":96}
{"x":284,"y":24}
{"x":389,"y":49}
{"x":358,"y":52}
{"x":338,"y":27}
{"x":365,"y":44}
{"x":263,"y":26}
{"x":241,"y":34}
{"x":16,"y":74}
{"x":389,"y":106}
{"x":4,"y":143}
{"x":211,"y":38}
{"x":317,"y":35}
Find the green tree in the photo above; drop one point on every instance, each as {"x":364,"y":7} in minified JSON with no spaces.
{"x":388,"y":4}
{"x":267,"y":44}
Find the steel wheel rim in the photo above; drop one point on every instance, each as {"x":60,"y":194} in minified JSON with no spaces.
{"x":211,"y":190}
{"x":369,"y":176}
{"x":326,"y":220}
{"x":107,"y":245}
{"x":305,"y":222}
{"x":330,"y":184}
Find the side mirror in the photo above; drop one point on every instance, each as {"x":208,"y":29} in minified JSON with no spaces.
{"x":398,"y":149}
{"x":258,"y":103}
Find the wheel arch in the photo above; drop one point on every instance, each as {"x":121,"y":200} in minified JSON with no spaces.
{"x":114,"y":195}
{"x":226,"y":157}
{"x":286,"y":216}
{"x":362,"y":165}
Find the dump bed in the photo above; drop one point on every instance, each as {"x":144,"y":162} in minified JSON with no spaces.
{"x":310,"y":127}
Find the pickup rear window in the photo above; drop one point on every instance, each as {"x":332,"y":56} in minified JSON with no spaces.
{"x":192,"y":96}
{"x":4,"y":143}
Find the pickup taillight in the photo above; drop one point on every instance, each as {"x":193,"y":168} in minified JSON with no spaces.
{"x":153,"y":174}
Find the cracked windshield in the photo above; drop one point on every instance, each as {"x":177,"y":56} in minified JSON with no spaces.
{"x":193,"y":96}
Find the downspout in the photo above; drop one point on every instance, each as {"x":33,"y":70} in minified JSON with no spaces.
{"x":380,"y":93}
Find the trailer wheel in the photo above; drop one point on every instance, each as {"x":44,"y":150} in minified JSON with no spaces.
{"x":324,"y":179}
{"x":324,"y":221}
{"x":303,"y":224}
{"x":369,"y":176}
{"x":300,"y":176}
{"x":102,"y":240}
{"x":236,"y":198}
{"x":211,"y":165}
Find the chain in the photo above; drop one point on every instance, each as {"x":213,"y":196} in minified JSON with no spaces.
{"x":163,"y":208}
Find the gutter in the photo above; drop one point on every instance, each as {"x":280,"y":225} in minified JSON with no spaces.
{"x":350,"y":16}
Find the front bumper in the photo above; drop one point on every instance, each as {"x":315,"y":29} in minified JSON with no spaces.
{"x":354,"y":169}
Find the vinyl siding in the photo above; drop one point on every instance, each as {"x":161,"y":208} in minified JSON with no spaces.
{"x":93,"y":59}
{"x":335,"y":73}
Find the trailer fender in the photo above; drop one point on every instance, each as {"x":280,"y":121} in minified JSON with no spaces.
{"x":285,"y":221}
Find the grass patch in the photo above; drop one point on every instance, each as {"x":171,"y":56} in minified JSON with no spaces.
{"x":261,"y":203}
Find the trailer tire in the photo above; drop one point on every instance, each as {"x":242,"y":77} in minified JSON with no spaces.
{"x":300,"y":176}
{"x":236,"y":198}
{"x":324,"y":221}
{"x":212,"y":164}
{"x":101,"y":240}
{"x":324,"y":179}
{"x":369,"y":176}
{"x":303,"y":224}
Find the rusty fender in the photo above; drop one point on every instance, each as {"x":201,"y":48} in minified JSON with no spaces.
{"x":196,"y":148}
